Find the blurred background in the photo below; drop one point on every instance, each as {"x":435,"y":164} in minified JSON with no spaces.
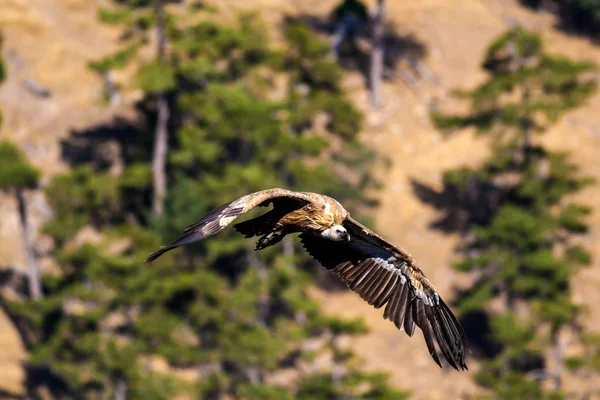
{"x":467,"y":132}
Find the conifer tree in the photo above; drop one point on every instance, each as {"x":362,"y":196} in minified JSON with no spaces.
{"x":139,"y":19}
{"x":587,"y":367}
{"x":235,"y":316}
{"x":522,"y":247}
{"x":16,"y":177}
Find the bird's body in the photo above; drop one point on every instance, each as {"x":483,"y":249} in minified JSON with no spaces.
{"x":321,"y":212}
{"x":378,"y":271}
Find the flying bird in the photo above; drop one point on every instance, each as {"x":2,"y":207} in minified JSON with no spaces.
{"x":381,"y":273}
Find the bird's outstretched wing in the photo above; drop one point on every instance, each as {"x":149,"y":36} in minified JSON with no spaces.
{"x":219,"y":218}
{"x":383,"y":274}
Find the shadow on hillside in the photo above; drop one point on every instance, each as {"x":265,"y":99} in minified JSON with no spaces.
{"x":478,"y":330}
{"x":460,"y":209}
{"x":112,"y":147}
{"x":92,"y":145}
{"x":43,"y":379}
{"x":571,"y":17}
{"x":118,"y":141}
{"x":403,"y":54}
{"x":14,"y":279}
{"x":105,"y":145}
{"x":5,"y":394}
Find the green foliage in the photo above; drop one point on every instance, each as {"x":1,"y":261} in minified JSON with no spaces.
{"x":591,"y":360}
{"x":523,"y":248}
{"x":508,"y":49}
{"x":137,"y":18}
{"x":264,"y":392}
{"x":80,"y":197}
{"x":156,"y":77}
{"x":217,"y":307}
{"x":516,"y":386}
{"x":119,"y":60}
{"x":316,"y":84}
{"x":504,"y":375}
{"x":354,"y":385}
{"x":15,"y":171}
{"x":117,"y":16}
{"x":85,"y":332}
{"x":527,"y":89}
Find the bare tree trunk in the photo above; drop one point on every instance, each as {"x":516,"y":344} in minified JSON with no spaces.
{"x":161,"y":136}
{"x":377,"y":56}
{"x":264,"y":301}
{"x":558,"y":359}
{"x":35,"y":284}
{"x":159,"y":158}
{"x":254,"y":374}
{"x":120,"y":389}
{"x":526,"y":126}
{"x":423,"y":70}
{"x":110,"y":89}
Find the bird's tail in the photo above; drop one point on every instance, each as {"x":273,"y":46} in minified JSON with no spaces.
{"x":153,"y":256}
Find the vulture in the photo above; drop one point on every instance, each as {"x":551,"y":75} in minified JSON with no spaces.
{"x":381,"y":273}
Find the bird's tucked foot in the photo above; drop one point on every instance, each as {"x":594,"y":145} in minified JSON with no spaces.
{"x":269,"y":239}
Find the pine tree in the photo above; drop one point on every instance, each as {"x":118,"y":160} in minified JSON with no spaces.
{"x":234,"y":316}
{"x":587,"y":366}
{"x":17,"y":176}
{"x":523,"y":245}
{"x":155,"y":77}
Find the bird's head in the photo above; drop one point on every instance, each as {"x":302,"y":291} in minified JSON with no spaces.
{"x":337,"y":233}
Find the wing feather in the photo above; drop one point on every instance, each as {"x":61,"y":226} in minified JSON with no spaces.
{"x":409,"y":322}
{"x":444,"y":342}
{"x":343,"y":268}
{"x":386,"y":292}
{"x":384,"y":275}
{"x":376,"y":284}
{"x":361,"y":280}
{"x":403,"y":303}
{"x":419,"y":315}
{"x":398,"y":309}
{"x":390,"y":309}
{"x":218,"y":219}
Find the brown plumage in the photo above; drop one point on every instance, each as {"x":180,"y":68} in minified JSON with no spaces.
{"x":378,"y":271}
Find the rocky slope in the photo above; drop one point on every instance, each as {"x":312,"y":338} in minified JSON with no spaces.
{"x":51,"y":41}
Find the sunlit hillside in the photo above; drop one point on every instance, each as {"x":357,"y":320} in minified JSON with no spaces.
{"x":51,"y":42}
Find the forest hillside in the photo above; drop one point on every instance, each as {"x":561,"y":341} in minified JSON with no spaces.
{"x":50,"y":43}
